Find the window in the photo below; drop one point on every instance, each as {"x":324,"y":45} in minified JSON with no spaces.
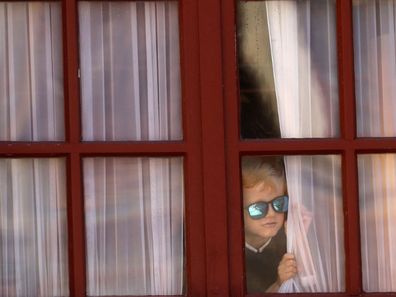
{"x":77,"y":171}
{"x":347,"y":146}
{"x":288,"y":81}
{"x":97,"y":190}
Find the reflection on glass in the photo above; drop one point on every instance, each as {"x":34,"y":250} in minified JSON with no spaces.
{"x":130,"y":70}
{"x":377,"y":193}
{"x":134,"y":211}
{"x":288,"y":69}
{"x":374,"y":24}
{"x":300,"y":195}
{"x":33,"y":228}
{"x":31,"y":72}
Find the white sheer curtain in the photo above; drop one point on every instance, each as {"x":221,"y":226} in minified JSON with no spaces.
{"x":33,"y":228}
{"x":315,"y":223}
{"x":375,"y":75}
{"x":374,"y":24}
{"x":303,"y":49}
{"x":31,"y":73}
{"x":33,"y":236}
{"x":377,"y":196}
{"x":134,"y":212}
{"x":130,"y":70}
{"x":130,"y":85}
{"x":304,"y":58}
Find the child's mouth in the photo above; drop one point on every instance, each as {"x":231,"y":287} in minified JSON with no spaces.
{"x":270,"y":224}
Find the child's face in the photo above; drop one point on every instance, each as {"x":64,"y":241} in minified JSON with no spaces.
{"x":257,"y":232}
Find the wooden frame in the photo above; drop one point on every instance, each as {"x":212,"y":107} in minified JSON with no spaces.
{"x":211,"y":148}
{"x":347,"y":145}
{"x":74,"y":149}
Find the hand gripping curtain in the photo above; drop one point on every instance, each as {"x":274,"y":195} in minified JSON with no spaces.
{"x":306,"y":91}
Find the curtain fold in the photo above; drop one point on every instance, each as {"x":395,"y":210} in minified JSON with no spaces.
{"x":31,"y":72}
{"x":134,"y":211}
{"x":302,"y":41}
{"x":315,"y":223}
{"x":130,"y":86}
{"x":33,"y":228}
{"x":374,"y":24}
{"x":33,"y":237}
{"x":377,"y":192}
{"x":130,"y":70}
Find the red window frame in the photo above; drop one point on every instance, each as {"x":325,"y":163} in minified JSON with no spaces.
{"x":74,"y":149}
{"x":348,"y":146}
{"x":211,"y":149}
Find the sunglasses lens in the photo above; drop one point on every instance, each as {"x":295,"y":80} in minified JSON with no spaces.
{"x":280,"y":204}
{"x":258,"y":210}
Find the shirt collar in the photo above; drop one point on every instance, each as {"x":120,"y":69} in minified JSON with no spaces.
{"x":260,"y":249}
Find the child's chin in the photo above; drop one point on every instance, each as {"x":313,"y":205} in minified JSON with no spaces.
{"x":271,"y":232}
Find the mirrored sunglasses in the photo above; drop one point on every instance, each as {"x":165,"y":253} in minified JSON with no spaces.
{"x":259,"y":209}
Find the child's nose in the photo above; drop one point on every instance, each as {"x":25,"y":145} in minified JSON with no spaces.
{"x":271,"y":211}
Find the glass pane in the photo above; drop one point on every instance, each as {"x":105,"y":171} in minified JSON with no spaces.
{"x":293,"y":217}
{"x":130,"y":70}
{"x":31,"y":71}
{"x":134,"y":217}
{"x":377,"y":196}
{"x":288,"y":69}
{"x":374,"y":25}
{"x":33,"y":228}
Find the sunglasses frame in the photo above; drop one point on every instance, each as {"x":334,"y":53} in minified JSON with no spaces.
{"x":268,"y":206}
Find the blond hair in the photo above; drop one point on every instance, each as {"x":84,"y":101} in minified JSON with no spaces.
{"x":262,"y":169}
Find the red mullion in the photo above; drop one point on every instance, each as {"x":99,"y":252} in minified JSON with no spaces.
{"x":123,"y":0}
{"x":233,"y":147}
{"x":344,"y":294}
{"x":71,"y":81}
{"x":375,"y":145}
{"x":317,"y":146}
{"x":29,"y":1}
{"x":292,"y":146}
{"x":195,"y":224}
{"x":383,"y":294}
{"x":77,"y":277}
{"x":212,"y":113}
{"x":346,"y":69}
{"x":351,"y":223}
{"x":348,"y":131}
{"x":301,"y":295}
{"x":133,"y":148}
{"x":138,"y":296}
{"x":104,"y":148}
{"x":76,"y":231}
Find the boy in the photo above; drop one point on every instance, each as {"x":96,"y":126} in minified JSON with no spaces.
{"x":264,"y":206}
